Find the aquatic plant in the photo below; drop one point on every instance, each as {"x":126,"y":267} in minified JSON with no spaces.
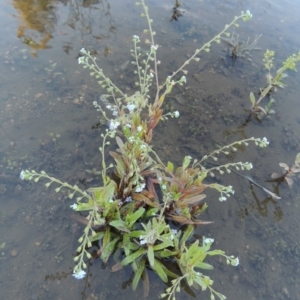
{"x":288,"y":172}
{"x":273,"y":82}
{"x":145,"y":212}
{"x":238,"y":48}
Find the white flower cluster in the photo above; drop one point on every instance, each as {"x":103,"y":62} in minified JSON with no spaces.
{"x":264,"y":142}
{"x":235,"y":262}
{"x":208,"y":241}
{"x":143,"y":240}
{"x":22,"y":175}
{"x":153,"y":48}
{"x":183,"y":79}
{"x":113,"y":125}
{"x":79,"y":274}
{"x":136,"y":38}
{"x":247,"y":15}
{"x":74,"y":206}
{"x":130,"y":107}
{"x":222,"y":198}
{"x":248,"y":166}
{"x":227,"y":191}
{"x":176,"y":114}
{"x":140,"y":187}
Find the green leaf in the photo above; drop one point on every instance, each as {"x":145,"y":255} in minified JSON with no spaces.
{"x":97,"y":237}
{"x":132,"y":257}
{"x":186,"y":235}
{"x":252,"y":99}
{"x":166,"y":253}
{"x":138,"y":273}
{"x":170,"y":167}
{"x":215,"y":252}
{"x":150,"y":254}
{"x":163,"y":245}
{"x":160,"y":270}
{"x":204,"y":266}
{"x":134,"y":217}
{"x":119,"y":224}
{"x":106,"y":238}
{"x":108,"y":250}
{"x":186,"y":162}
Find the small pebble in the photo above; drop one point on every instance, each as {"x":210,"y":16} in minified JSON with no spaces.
{"x":14,"y":253}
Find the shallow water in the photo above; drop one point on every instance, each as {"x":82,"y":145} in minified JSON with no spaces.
{"x":46,"y":124}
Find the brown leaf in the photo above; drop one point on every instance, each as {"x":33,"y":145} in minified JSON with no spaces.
{"x":116,"y":267}
{"x":191,"y":200}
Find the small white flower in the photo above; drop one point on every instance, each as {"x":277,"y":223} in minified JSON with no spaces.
{"x":136,"y":38}
{"x":236,"y":262}
{"x":81,"y":60}
{"x":131,"y":139}
{"x":208,"y":241}
{"x":115,"y":113}
{"x":143,"y":240}
{"x":174,"y":231}
{"x":183,"y":79}
{"x":82,"y":50}
{"x":140,"y":187}
{"x":113,"y":125}
{"x":176,"y":114}
{"x":111,"y":201}
{"x":128,"y":199}
{"x":151,"y":74}
{"x":222,"y":198}
{"x":265,"y":140}
{"x":128,"y":125}
{"x":108,"y":106}
{"x":249,"y":166}
{"x":153,"y":48}
{"x":249,"y":13}
{"x":95,"y":103}
{"x":74,"y":206}
{"x":22,"y":175}
{"x":164,"y":187}
{"x":143,"y":146}
{"x":130,"y":107}
{"x":79,"y":274}
{"x":139,"y":129}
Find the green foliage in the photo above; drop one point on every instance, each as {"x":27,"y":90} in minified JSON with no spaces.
{"x":273,"y":82}
{"x":145,"y":212}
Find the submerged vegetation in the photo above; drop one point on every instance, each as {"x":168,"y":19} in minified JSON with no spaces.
{"x":238,"y":48}
{"x":145,"y":212}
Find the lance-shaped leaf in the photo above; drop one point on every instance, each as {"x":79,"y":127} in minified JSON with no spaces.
{"x":119,"y":224}
{"x":150,"y":254}
{"x":185,"y":220}
{"x":132,"y":257}
{"x":186,"y":162}
{"x":186,"y":235}
{"x":108,"y":249}
{"x":170,"y":167}
{"x":252,"y":99}
{"x":142,"y":198}
{"x":204,"y":266}
{"x":121,"y":168}
{"x":160,"y":270}
{"x":138,"y":273}
{"x":132,"y":218}
{"x":191,"y":200}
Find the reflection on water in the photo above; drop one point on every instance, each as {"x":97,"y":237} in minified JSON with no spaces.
{"x":37,"y":20}
{"x":47,"y":119}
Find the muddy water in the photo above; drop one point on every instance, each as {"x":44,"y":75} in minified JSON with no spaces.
{"x":46,"y":124}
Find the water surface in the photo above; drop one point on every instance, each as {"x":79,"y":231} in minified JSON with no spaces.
{"x":46,"y":124}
